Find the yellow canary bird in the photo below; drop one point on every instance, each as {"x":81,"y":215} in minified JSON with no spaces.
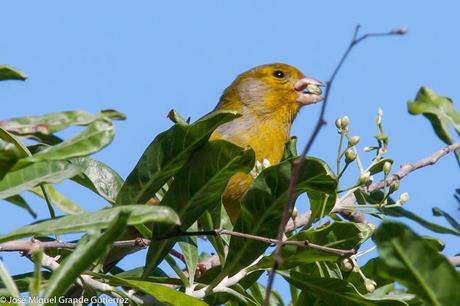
{"x":268,"y":97}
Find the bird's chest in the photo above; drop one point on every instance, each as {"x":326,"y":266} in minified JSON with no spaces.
{"x":266,"y":137}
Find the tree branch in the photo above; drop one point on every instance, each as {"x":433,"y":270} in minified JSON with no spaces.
{"x":403,"y":172}
{"x":30,"y":245}
{"x":297,"y":166}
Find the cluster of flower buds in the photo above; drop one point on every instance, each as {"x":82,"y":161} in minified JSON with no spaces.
{"x":342,"y":124}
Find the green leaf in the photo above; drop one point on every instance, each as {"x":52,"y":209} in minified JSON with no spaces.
{"x":409,"y":260}
{"x":98,"y":177}
{"x":439,"y":110}
{"x":439,"y":212}
{"x":10,"y":73}
{"x":217,"y":218}
{"x":11,"y":150}
{"x":263,"y":204}
{"x":339,"y":235}
{"x":321,"y":204}
{"x":198,"y":187}
{"x":8,"y":137}
{"x":35,"y":284}
{"x":401,"y":212}
{"x":20,"y":202}
{"x":190,"y":252}
{"x":8,"y":281}
{"x":257,"y":293}
{"x":290,"y":149}
{"x":331,"y":291}
{"x":85,"y":255}
{"x":160,"y":293}
{"x":60,"y":201}
{"x":35,"y":174}
{"x":51,"y":123}
{"x":139,"y":214}
{"x":166,"y":155}
{"x":436,"y":243}
{"x":378,"y":166}
{"x":9,"y":155}
{"x":92,"y":139}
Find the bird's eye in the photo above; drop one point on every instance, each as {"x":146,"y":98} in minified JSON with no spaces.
{"x":278,"y":74}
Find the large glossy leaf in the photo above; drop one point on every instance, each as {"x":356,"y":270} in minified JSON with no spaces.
{"x":11,"y":73}
{"x":198,"y":187}
{"x":401,"y":212}
{"x":332,"y":291}
{"x":138,"y":214}
{"x":439,"y":110}
{"x":339,"y":235}
{"x":263,"y":204}
{"x":162,"y":294}
{"x":84,"y":256}
{"x":35,"y":174}
{"x":409,"y":260}
{"x":98,"y":177}
{"x":441,"y":113}
{"x":92,"y":139}
{"x":50,"y":123}
{"x":167,"y":153}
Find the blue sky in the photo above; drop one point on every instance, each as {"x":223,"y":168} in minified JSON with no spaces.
{"x":146,"y":57}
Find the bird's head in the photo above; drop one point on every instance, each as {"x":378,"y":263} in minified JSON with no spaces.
{"x":271,"y":88}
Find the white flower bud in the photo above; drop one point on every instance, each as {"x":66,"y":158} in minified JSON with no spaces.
{"x":370,"y":285}
{"x":368,"y":149}
{"x":350,"y":155}
{"x":346,"y":265}
{"x":394,"y":186}
{"x":338,"y":123}
{"x":345,"y":122}
{"x":364,"y":178}
{"x":353,"y":141}
{"x":403,"y":198}
{"x":386,"y":167}
{"x":295,"y":213}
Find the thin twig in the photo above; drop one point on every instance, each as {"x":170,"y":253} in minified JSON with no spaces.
{"x":297,"y":166}
{"x":29,"y":245}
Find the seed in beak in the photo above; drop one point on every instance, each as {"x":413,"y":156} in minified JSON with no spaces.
{"x":313,"y":89}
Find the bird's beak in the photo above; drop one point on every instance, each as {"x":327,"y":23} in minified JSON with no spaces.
{"x":308,"y":91}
